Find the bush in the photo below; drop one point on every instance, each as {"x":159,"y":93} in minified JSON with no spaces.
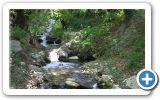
{"x":57,"y":30}
{"x":17,"y":33}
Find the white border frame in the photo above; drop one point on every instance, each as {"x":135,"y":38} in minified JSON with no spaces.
{"x":8,"y":6}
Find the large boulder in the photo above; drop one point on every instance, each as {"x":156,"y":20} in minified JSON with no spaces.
{"x":15,"y":45}
{"x":62,"y":53}
{"x":62,"y":56}
{"x":39,"y":58}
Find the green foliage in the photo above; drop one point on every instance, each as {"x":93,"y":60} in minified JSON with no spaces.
{"x":17,"y":33}
{"x":88,"y":36}
{"x":96,"y":28}
{"x":38,"y":20}
{"x":135,"y":54}
{"x":139,"y":41}
{"x":135,"y":59}
{"x":57,"y":30}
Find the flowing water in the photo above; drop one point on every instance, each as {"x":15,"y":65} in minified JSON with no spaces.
{"x":58,"y":72}
{"x":55,"y":63}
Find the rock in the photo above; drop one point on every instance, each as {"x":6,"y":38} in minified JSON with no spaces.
{"x":15,"y":45}
{"x":86,"y":54}
{"x":51,"y":40}
{"x":62,"y":53}
{"x":42,"y":53}
{"x":47,"y":60}
{"x":62,"y":56}
{"x":57,"y":86}
{"x":57,"y":76}
{"x":35,"y":68}
{"x":116,"y":87}
{"x":22,"y":63}
{"x":131,"y":82}
{"x":57,"y":41}
{"x":38,"y":56}
{"x":40,"y":40}
{"x":105,"y":82}
{"x":73,"y":59}
{"x":85,"y":80}
{"x":46,"y":86}
{"x":35,"y":56}
{"x":72,"y":85}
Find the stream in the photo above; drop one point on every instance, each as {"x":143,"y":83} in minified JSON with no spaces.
{"x":57,"y":74}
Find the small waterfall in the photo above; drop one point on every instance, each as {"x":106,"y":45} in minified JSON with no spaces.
{"x":47,"y":31}
{"x":44,"y":41}
{"x":55,"y":63}
{"x":50,"y":25}
{"x":53,"y":55}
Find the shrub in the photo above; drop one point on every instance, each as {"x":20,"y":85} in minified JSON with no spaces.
{"x":17,"y":33}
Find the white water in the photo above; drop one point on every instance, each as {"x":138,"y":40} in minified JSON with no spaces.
{"x":50,"y":25}
{"x":44,"y":43}
{"x":55,"y":63}
{"x":53,"y":55}
{"x":48,"y":30}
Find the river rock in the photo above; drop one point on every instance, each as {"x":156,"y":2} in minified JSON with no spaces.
{"x":105,"y":82}
{"x":62,"y":53}
{"x":85,"y":80}
{"x":131,"y":82}
{"x":72,"y":84}
{"x":115,"y":86}
{"x":15,"y":45}
{"x":38,"y":55}
{"x":73,"y":59}
{"x":62,"y":56}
